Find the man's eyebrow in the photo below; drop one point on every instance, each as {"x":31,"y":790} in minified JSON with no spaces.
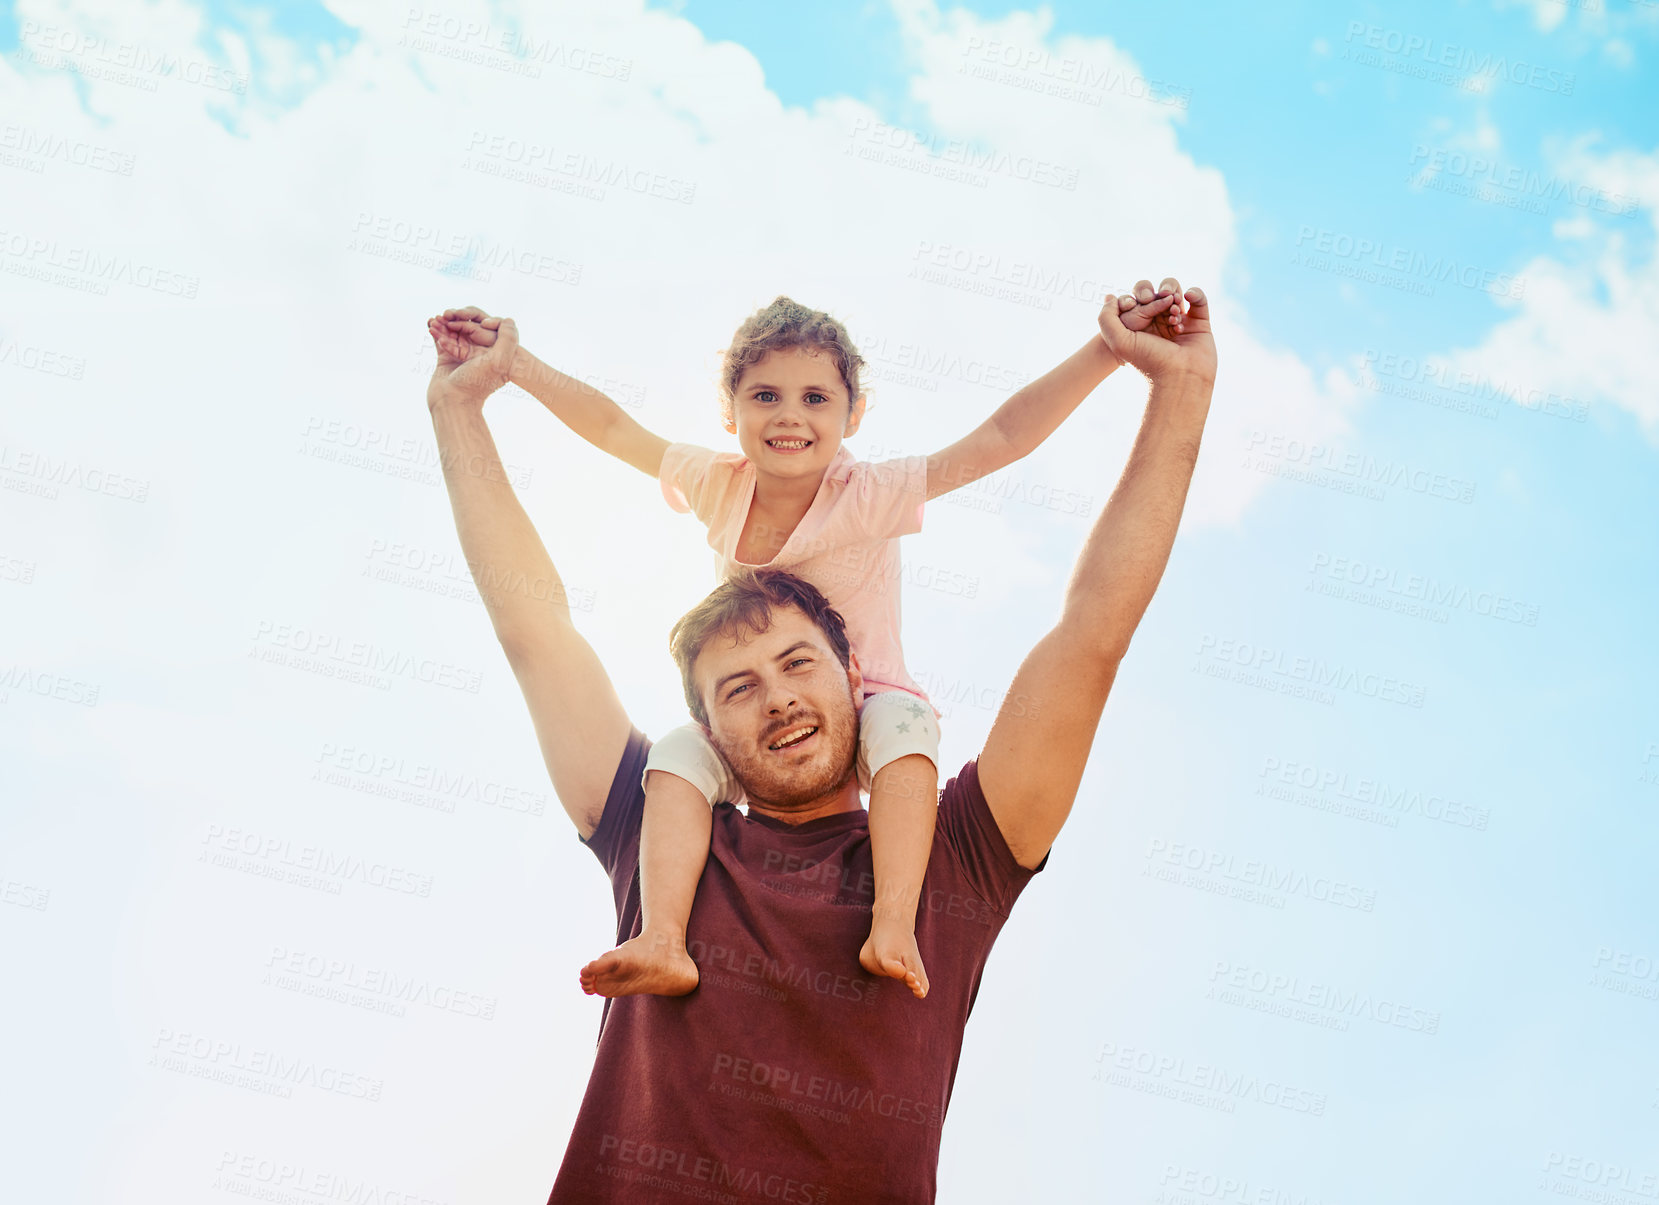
{"x":744,"y":673}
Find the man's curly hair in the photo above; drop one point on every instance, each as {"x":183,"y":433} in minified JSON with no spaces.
{"x":744,"y":602}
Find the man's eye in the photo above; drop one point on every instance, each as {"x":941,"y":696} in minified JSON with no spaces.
{"x":799,"y":661}
{"x":732,"y":694}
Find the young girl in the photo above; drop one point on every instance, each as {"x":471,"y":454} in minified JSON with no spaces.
{"x":795,"y":499}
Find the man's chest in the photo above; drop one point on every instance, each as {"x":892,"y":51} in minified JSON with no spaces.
{"x":787,"y":925}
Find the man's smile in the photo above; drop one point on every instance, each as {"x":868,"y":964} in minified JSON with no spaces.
{"x":794,"y":738}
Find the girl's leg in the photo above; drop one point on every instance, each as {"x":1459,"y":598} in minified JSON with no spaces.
{"x":673,"y":849}
{"x":898,"y":737}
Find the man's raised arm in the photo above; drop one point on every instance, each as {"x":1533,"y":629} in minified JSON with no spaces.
{"x":1036,"y":750}
{"x":579,"y":721}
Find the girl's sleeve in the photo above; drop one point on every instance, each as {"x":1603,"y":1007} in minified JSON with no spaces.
{"x":887,"y":496}
{"x":690,"y":479}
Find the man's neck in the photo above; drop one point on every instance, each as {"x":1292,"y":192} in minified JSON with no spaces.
{"x":836,"y":802}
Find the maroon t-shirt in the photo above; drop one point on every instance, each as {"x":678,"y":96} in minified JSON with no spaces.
{"x":790,"y":1075}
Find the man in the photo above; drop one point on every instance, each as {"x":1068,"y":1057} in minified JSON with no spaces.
{"x":790,"y":1074}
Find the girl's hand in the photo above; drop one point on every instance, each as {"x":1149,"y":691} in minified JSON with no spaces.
{"x":1150,"y":330}
{"x":1138,"y":315}
{"x":469,"y":325}
{"x":469,"y":370}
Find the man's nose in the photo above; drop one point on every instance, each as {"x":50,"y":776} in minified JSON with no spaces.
{"x":781,"y":699}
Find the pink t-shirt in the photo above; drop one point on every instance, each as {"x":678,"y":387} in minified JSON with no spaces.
{"x":846,"y":544}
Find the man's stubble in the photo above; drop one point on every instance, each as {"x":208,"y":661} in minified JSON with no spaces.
{"x":798,"y":789}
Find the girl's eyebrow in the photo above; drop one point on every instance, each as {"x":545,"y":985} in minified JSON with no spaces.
{"x":823,"y":389}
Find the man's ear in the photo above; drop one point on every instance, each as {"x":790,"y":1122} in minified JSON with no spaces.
{"x":855,"y":676}
{"x":854,"y":417}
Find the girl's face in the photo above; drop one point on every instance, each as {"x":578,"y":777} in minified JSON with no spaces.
{"x":791,"y":413}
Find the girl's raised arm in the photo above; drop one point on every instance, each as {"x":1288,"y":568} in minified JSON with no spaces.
{"x":591,"y":414}
{"x":1019,"y":425}
{"x":585,"y":410}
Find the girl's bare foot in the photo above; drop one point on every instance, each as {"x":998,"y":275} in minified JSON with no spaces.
{"x":890,"y":950}
{"x":652,"y":964}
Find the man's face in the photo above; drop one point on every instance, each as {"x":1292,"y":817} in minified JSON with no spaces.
{"x":781,"y":709}
{"x":791,"y":412}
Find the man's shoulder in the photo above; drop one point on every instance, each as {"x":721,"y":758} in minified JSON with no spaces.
{"x":969,"y":830}
{"x":962,"y":793}
{"x":616,"y":837}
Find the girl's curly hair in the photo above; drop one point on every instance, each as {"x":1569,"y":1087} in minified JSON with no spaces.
{"x":786,"y":324}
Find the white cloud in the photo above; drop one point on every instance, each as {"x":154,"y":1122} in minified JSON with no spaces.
{"x":1604,"y":350}
{"x":1618,"y":52}
{"x":1143,"y":207}
{"x":1568,"y":229}
{"x":1549,"y":15}
{"x":1584,"y":328}
{"x":1483,"y":141}
{"x":1580,"y":24}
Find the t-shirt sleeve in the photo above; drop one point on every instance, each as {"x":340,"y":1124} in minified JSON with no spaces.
{"x":886,"y":496}
{"x":616,"y":841}
{"x":690,"y":479}
{"x":981,"y":851}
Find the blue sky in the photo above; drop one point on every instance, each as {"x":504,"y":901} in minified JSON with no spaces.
{"x":1544,"y":720}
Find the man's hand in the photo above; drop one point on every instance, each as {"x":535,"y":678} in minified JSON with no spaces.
{"x":470,"y":369}
{"x":1150,"y":331}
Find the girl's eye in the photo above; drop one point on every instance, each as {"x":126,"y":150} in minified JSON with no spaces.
{"x":766,"y":395}
{"x":817,"y":399}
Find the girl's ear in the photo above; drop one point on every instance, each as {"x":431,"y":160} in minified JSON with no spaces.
{"x":731,"y":426}
{"x":855,"y":416}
